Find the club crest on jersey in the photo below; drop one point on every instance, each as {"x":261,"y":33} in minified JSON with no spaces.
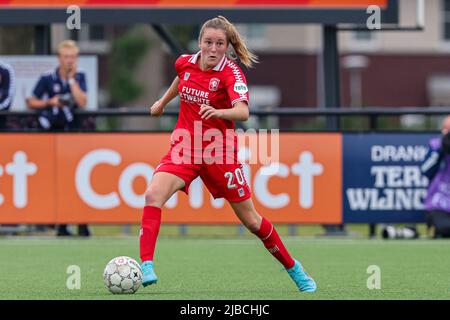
{"x":214,"y":84}
{"x":186,"y":76}
{"x":56,"y":87}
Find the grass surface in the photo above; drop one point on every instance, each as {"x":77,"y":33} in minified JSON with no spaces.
{"x":35,"y":268}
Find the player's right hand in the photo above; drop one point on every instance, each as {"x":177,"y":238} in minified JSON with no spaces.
{"x":53,"y":101}
{"x":157,"y":109}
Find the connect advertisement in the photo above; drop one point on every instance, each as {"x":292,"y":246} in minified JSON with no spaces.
{"x":315,"y":178}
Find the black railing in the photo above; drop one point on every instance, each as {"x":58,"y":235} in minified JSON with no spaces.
{"x":372,"y":114}
{"x":283,"y":111}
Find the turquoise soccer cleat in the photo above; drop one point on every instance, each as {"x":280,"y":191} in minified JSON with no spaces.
{"x":148,"y":274}
{"x":303,"y":281}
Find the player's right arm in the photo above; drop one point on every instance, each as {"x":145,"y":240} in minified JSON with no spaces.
{"x":6,"y":86}
{"x":432,"y":161}
{"x":37,"y":101}
{"x":157,"y":108}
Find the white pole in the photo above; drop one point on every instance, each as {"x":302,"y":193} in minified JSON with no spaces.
{"x":421,"y":13}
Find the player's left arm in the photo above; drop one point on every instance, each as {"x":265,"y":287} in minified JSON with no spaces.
{"x":78,"y":89}
{"x":239,"y":112}
{"x":6,"y":88}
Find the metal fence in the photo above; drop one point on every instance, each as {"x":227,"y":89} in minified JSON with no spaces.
{"x":285,"y":118}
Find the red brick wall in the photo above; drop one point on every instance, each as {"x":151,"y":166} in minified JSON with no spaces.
{"x":397,"y":80}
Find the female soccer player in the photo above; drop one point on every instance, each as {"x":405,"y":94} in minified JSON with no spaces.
{"x":213,"y":94}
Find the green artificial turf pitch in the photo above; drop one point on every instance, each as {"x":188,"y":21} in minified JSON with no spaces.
{"x":202,"y":269}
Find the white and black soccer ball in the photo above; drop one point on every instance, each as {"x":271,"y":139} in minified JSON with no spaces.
{"x":122,"y":275}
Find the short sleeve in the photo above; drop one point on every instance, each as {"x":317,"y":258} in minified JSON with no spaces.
{"x":236,"y":85}
{"x":4,"y":83}
{"x":179,"y":64}
{"x":82,"y":82}
{"x":430,"y":164}
{"x":39,"y":89}
{"x":6,"y":88}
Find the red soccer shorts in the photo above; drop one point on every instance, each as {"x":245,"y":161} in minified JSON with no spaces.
{"x":224,"y":180}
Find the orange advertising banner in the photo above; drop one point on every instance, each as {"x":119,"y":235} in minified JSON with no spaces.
{"x":27,"y":178}
{"x":102,"y":178}
{"x":323,"y":4}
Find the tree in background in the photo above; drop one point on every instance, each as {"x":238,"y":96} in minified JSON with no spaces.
{"x":186,"y":35}
{"x":127,"y":52}
{"x":16,"y":40}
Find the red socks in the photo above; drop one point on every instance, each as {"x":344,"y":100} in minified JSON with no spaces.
{"x":273,"y":243}
{"x":151,"y":221}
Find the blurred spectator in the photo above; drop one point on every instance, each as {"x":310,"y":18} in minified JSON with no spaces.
{"x":436,"y":167}
{"x":59,"y":92}
{"x":56,"y":95}
{"x":6,"y":90}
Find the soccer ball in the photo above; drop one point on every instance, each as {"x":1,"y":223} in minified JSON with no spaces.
{"x":122,"y":275}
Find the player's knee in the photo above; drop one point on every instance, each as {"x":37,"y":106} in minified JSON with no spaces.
{"x":153,"y":197}
{"x":253,"y":226}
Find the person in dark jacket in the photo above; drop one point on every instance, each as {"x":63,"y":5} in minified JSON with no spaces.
{"x":6,"y":90}
{"x":436,"y":166}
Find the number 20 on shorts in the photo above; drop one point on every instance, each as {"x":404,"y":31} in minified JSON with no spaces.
{"x":239,"y":177}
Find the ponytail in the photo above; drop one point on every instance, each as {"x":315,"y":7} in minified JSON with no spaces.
{"x":241,"y":51}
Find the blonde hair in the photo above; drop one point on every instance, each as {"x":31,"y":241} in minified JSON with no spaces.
{"x":67,"y":44}
{"x":247,"y":57}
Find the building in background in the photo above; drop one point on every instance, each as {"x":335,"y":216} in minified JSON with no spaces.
{"x":402,"y":68}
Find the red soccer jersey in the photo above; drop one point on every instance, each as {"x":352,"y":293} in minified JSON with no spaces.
{"x":220,"y":87}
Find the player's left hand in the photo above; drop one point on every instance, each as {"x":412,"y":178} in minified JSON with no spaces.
{"x":208,"y":112}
